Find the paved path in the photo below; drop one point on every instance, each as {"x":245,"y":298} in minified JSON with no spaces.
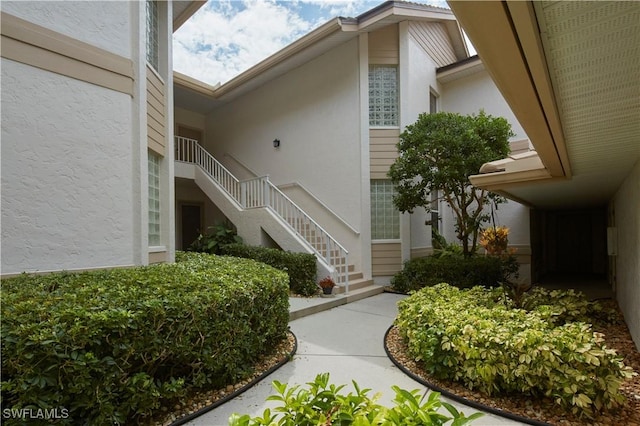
{"x":347,"y":342}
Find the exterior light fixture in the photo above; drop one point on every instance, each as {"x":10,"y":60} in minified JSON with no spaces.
{"x":276,"y":143}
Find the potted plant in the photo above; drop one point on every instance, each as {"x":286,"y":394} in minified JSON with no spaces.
{"x":327,"y":285}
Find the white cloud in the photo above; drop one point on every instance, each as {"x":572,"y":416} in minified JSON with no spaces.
{"x":226,"y":38}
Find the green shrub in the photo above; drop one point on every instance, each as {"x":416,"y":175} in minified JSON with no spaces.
{"x":457,"y":270}
{"x":110,"y":346}
{"x":215,"y":239}
{"x":466,"y":336}
{"x":324,"y":404}
{"x":301,"y":267}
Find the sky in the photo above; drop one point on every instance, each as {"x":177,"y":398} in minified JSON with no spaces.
{"x":226,"y":37}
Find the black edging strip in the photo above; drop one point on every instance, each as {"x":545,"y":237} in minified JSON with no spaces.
{"x":450,"y":395}
{"x":252,"y":383}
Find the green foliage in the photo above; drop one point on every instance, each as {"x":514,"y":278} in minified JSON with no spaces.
{"x":439,"y":152}
{"x":474,"y":337}
{"x":323,"y":403}
{"x":301,"y":267}
{"x":110,"y":346}
{"x":452,"y":268}
{"x":215,"y":239}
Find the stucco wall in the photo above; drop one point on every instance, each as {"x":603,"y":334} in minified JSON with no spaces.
{"x":314,"y":110}
{"x":627,"y":221}
{"x":66,"y":173}
{"x":419,"y":75}
{"x":469,"y":94}
{"x":105,"y":24}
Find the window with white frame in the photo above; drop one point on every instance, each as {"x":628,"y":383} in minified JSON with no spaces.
{"x":385,"y":217}
{"x":152,"y":33}
{"x":433,"y":103}
{"x":154,"y":199}
{"x":383,"y":96}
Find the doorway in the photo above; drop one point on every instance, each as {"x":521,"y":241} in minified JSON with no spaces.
{"x":569,"y":248}
{"x":191,"y":225}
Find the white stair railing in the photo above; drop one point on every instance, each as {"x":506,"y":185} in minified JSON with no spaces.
{"x":260,"y":192}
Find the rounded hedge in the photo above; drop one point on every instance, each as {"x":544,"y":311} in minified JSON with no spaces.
{"x":460,"y":271}
{"x":109,"y":346}
{"x":473,"y":336}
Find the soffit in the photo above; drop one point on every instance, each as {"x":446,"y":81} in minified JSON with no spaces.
{"x":183,"y":10}
{"x":591,"y":52}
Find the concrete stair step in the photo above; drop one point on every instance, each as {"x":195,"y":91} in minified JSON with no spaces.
{"x":355,"y":284}
{"x":302,"y":307}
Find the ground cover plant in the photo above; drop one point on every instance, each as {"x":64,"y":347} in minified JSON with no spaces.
{"x":323,"y":403}
{"x":478,"y":338}
{"x":111,"y":346}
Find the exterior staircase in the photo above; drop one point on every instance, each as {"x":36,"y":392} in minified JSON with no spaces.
{"x":257,"y":203}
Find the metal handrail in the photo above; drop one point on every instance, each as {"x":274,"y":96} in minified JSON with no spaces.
{"x":260,"y":192}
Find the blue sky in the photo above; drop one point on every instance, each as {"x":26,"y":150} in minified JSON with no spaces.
{"x":227,"y":37}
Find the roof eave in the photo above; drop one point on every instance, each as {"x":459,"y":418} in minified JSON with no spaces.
{"x":187,"y":13}
{"x":506,"y":37}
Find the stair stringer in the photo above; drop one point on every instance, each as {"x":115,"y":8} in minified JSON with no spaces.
{"x":250,"y":223}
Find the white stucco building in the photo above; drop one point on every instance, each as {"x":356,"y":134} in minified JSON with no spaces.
{"x":337,"y":101}
{"x":87,"y":133}
{"x":111,"y":159}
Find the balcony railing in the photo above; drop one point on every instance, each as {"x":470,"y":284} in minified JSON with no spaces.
{"x":259,"y":192}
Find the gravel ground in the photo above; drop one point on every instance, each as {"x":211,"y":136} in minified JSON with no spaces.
{"x":616,"y":337}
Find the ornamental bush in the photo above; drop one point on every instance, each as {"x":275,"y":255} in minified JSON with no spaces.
{"x":301,"y":267}
{"x":110,"y":346}
{"x":471,"y":336}
{"x":459,"y":271}
{"x":322,"y":403}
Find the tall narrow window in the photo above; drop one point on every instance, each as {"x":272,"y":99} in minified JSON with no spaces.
{"x":152,"y":33}
{"x":154,"y":199}
{"x":385,"y":218}
{"x":383,"y":95}
{"x":434,"y":208}
{"x":433,"y":103}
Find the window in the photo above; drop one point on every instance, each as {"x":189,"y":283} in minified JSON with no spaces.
{"x":383,"y":95}
{"x":433,"y":103}
{"x":385,"y":218}
{"x":434,"y":211}
{"x":152,"y":33}
{"x":154,"y":199}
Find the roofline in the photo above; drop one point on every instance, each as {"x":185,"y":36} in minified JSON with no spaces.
{"x":187,"y":13}
{"x":287,"y":52}
{"x":387,"y":6}
{"x":506,"y":36}
{"x":353,"y":25}
{"x":470,"y":60}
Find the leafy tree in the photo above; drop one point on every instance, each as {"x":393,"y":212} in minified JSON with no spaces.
{"x":439,"y":152}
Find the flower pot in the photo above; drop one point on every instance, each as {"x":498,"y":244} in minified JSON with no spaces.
{"x":327,"y":290}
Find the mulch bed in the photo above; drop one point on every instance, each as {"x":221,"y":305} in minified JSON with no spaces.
{"x":545,"y":410}
{"x":196,"y":401}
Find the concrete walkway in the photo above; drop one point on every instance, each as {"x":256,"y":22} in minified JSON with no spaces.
{"x":345,"y":341}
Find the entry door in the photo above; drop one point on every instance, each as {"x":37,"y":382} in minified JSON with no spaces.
{"x":191,"y":224}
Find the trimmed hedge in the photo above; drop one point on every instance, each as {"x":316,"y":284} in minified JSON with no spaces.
{"x":110,"y":346}
{"x":460,"y":271}
{"x":470,"y":337}
{"x":301,"y":267}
